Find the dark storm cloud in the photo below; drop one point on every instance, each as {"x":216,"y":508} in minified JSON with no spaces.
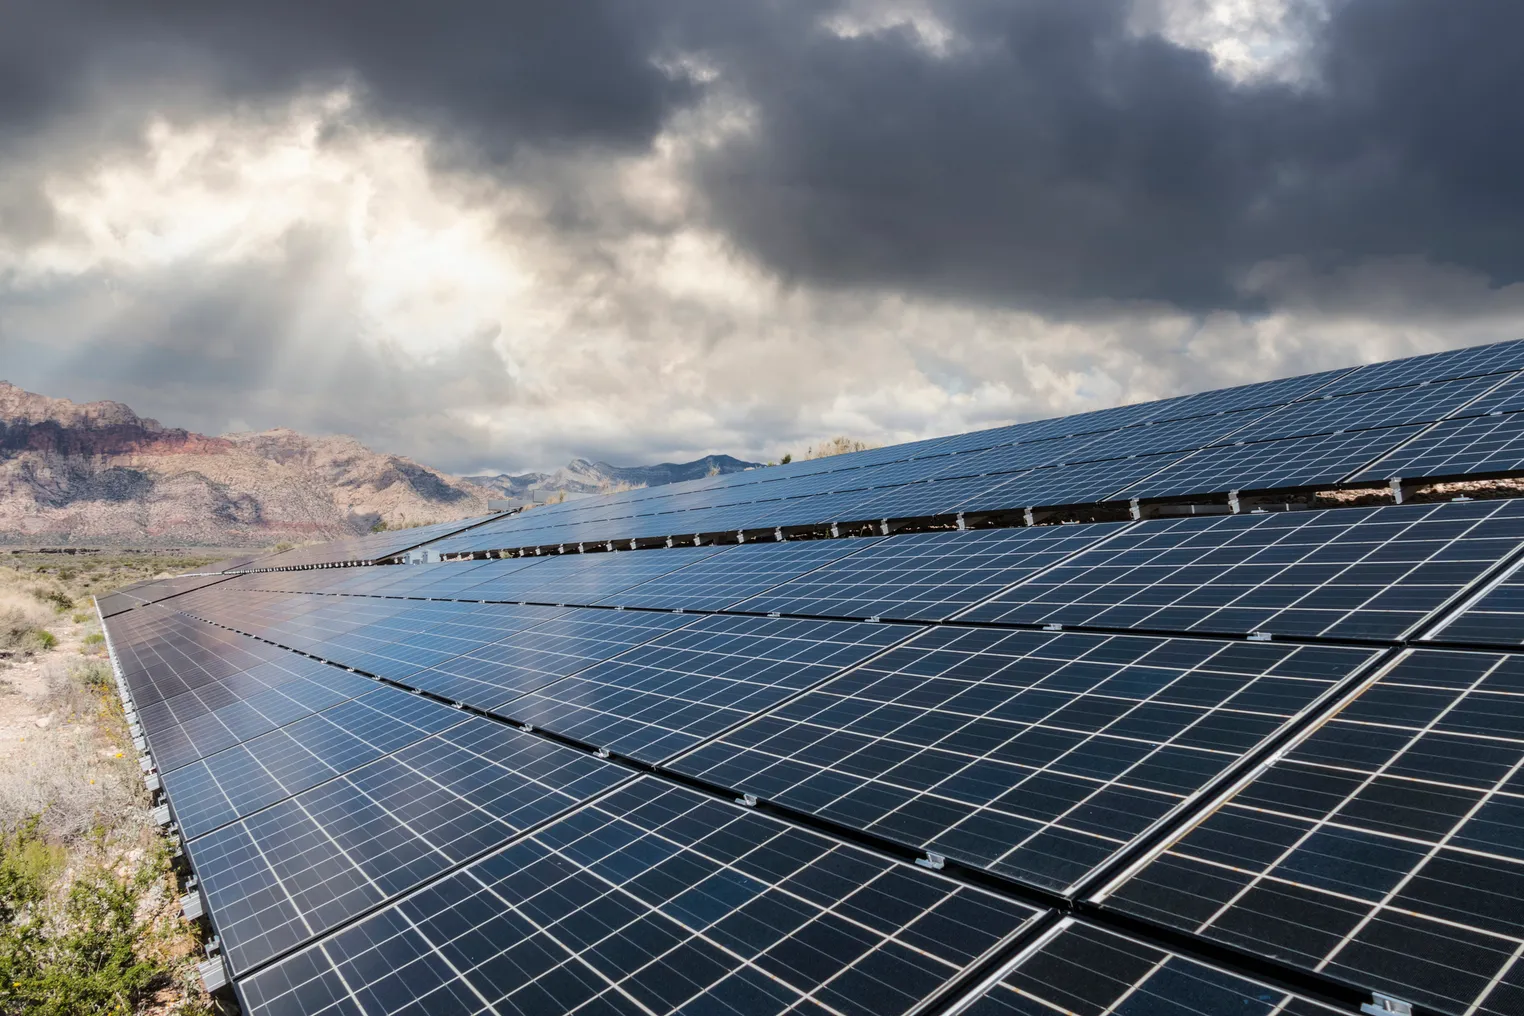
{"x":1055,"y":155}
{"x":1051,"y":156}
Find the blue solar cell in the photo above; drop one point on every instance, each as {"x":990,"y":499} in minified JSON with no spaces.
{"x":1382,"y":849}
{"x":660,"y":698}
{"x":745,"y":571}
{"x":1454,"y":449}
{"x":1388,"y":407}
{"x":655,"y":900}
{"x":1320,"y":460}
{"x":926,"y":576}
{"x":1081,"y":968}
{"x":256,"y":774}
{"x":283,"y":875}
{"x":531,"y":659}
{"x":1036,"y":755}
{"x":1467,"y":362}
{"x":1374,"y":573}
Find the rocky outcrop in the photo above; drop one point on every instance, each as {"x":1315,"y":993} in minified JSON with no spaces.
{"x":99,"y":473}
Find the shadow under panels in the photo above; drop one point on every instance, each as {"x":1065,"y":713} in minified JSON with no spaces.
{"x":653,"y":899}
{"x":1035,"y":755}
{"x":1374,"y":573}
{"x":1385,"y":849}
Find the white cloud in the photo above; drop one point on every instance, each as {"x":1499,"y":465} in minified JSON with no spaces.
{"x":307,"y":268}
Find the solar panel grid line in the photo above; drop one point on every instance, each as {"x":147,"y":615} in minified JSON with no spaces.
{"x":383,"y":896}
{"x":910,"y":631}
{"x":1450,"y":937}
{"x":1053,"y":924}
{"x":1468,"y":361}
{"x":1233,"y":779}
{"x":1041,"y":572}
{"x":221,"y":802}
{"x":1101,"y":887}
{"x":1094,"y":787}
{"x":603,"y":878}
{"x":1087,"y":966}
{"x":1357,"y":575}
{"x":1455,"y":414}
{"x":1363,"y":471}
{"x":1507,"y":570}
{"x":1433,"y":851}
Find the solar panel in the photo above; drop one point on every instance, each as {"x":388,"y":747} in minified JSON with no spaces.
{"x":1493,"y":618}
{"x":654,"y":899}
{"x":283,"y":875}
{"x":153,"y":591}
{"x":1389,"y":407}
{"x":1466,"y":362}
{"x":1032,"y":754}
{"x":256,"y":774}
{"x":665,"y":696}
{"x":1139,"y":705}
{"x":926,"y":576}
{"x":1080,"y":968}
{"x":1253,"y":396}
{"x":1507,"y":397}
{"x":1368,"y":573}
{"x":745,"y":571}
{"x":1474,"y":446}
{"x":1321,"y":460}
{"x":1382,"y":850}
{"x":199,"y":723}
{"x":492,"y":675}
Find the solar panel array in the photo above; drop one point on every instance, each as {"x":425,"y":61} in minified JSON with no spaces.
{"x":1262,"y":762}
{"x":1360,"y":426}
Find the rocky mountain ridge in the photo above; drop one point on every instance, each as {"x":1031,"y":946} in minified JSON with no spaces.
{"x":98,"y":473}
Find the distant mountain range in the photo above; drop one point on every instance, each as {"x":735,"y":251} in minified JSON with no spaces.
{"x":583,"y":477}
{"x":97,"y":473}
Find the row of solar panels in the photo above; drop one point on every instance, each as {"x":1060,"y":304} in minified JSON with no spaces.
{"x":1377,"y":850}
{"x":1440,"y":427}
{"x":1445,"y":416}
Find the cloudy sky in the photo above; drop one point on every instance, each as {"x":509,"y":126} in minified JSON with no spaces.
{"x":496,"y":235}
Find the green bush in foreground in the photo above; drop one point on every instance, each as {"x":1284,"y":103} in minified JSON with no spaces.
{"x":73,"y":951}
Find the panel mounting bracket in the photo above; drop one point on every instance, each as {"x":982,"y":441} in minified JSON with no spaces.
{"x":1233,"y":502}
{"x":750,"y":800}
{"x":1385,"y":1005}
{"x":932,"y":860}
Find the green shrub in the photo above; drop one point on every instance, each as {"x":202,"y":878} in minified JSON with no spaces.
{"x":72,"y":952}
